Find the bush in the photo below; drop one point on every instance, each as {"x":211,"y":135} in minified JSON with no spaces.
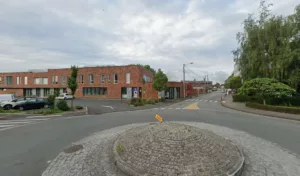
{"x":285,"y":109}
{"x":51,"y":101}
{"x":137,"y":102}
{"x":79,"y":107}
{"x":283,"y":101}
{"x":150,"y":101}
{"x":62,"y":105}
{"x":245,"y":98}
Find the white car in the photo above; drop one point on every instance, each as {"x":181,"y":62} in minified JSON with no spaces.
{"x":65,"y":96}
{"x":11,"y":104}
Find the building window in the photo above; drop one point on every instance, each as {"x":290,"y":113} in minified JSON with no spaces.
{"x":54,"y":79}
{"x":63,"y":79}
{"x":25,"y":80}
{"x":0,"y":80}
{"x":38,"y":92}
{"x":46,"y":91}
{"x":18,"y":80}
{"x":94,"y":91}
{"x":147,"y":78}
{"x":9,"y":80}
{"x":27,"y":92}
{"x":40,"y":81}
{"x":108,"y":78}
{"x":115,"y":78}
{"x":91,"y":78}
{"x":80,"y":79}
{"x":127,"y":78}
{"x":102,"y":78}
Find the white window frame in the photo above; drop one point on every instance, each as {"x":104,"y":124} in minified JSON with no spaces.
{"x":108,"y":78}
{"x":18,"y":80}
{"x":56,"y":79}
{"x":63,"y":79}
{"x":91,"y":78}
{"x":44,"y":80}
{"x":128,"y":78}
{"x":102,"y":78}
{"x":25,"y":80}
{"x":115,"y":80}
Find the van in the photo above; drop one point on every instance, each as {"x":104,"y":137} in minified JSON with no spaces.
{"x":6,"y":97}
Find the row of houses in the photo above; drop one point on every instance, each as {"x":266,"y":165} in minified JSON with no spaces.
{"x":107,"y":82}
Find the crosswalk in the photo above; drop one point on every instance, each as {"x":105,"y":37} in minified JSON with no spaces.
{"x":200,"y":100}
{"x":7,"y":124}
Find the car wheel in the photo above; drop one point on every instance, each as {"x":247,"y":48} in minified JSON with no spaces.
{"x":7,"y":107}
{"x":65,"y":98}
{"x":21,"y":108}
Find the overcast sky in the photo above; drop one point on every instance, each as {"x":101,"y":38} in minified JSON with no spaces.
{"x":165,"y":34}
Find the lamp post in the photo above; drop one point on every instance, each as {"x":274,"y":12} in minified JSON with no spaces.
{"x":184,"y":65}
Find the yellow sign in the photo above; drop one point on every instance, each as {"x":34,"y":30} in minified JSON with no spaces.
{"x":160,"y":119}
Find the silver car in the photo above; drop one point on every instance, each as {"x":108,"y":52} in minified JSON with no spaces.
{"x":11,"y":104}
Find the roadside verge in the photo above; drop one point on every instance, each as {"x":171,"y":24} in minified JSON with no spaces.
{"x":227,"y":102}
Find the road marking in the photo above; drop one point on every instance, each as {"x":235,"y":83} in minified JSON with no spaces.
{"x":177,"y":108}
{"x":108,"y":107}
{"x":205,"y":100}
{"x":9,"y":124}
{"x":162,"y":108}
{"x":30,"y":117}
{"x":210,"y":101}
{"x":216,"y":101}
{"x":5,"y":126}
{"x":193,"y":106}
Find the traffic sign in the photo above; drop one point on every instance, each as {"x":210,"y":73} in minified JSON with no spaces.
{"x":159,"y":118}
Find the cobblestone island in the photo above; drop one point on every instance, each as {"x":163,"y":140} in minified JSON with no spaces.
{"x":176,"y":149}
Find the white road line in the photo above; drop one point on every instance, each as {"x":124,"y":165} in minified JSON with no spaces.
{"x":177,"y":108}
{"x":5,"y":126}
{"x":216,"y":101}
{"x":162,"y":108}
{"x":205,"y":100}
{"x":210,"y":101}
{"x":108,"y":107}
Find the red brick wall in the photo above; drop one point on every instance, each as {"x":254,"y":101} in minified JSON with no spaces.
{"x":114,"y":90}
{"x":16,"y":92}
{"x":149,"y":92}
{"x":177,"y":84}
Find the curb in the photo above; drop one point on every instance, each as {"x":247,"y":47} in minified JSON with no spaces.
{"x":276,"y":116}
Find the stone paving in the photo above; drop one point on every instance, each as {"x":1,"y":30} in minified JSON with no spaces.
{"x":262,"y":158}
{"x":176,"y":149}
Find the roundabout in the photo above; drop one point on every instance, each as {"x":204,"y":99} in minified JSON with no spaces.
{"x":175,"y":148}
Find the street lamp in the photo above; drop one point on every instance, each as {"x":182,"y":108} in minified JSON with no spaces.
{"x":184,"y":65}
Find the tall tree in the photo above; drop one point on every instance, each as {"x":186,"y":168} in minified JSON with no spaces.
{"x":160,"y":81}
{"x":149,"y":68}
{"x":72,"y":82}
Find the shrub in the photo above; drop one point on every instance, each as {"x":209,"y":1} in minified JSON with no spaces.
{"x":150,"y":101}
{"x":51,"y":101}
{"x":285,"y":109}
{"x":137,"y":102}
{"x":79,"y":107}
{"x":62,"y":105}
{"x":245,"y":98}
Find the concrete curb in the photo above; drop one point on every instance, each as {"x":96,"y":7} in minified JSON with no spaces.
{"x":263,"y":114}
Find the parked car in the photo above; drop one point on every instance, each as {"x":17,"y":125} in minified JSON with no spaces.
{"x":11,"y":104}
{"x":6,"y":97}
{"x":65,"y":96}
{"x":35,"y":103}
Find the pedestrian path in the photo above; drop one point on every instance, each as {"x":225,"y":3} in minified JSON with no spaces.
{"x":202,"y":100}
{"x":7,"y":124}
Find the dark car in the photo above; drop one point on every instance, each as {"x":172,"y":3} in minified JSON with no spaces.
{"x":32,"y":104}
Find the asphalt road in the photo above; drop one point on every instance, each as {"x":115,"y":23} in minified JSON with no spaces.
{"x":27,"y":149}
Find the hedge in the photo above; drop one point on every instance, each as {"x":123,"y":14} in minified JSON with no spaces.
{"x":283,"y":101}
{"x":285,"y":109}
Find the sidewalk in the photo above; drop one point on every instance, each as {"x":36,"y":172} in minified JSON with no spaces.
{"x":227,"y":102}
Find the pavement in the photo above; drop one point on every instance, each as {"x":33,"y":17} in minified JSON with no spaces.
{"x":27,"y":150}
{"x":227,"y":102}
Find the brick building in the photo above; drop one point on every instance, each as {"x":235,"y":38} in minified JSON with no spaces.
{"x":93,"y":82}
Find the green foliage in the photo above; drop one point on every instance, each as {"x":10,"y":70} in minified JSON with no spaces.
{"x":56,"y":92}
{"x":160,"y":81}
{"x":9,"y":111}
{"x":245,"y":98}
{"x":45,"y":111}
{"x":120,"y":148}
{"x":285,"y":109}
{"x":79,"y":107}
{"x":270,"y":47}
{"x":150,"y":101}
{"x":265,"y":88}
{"x":72,"y":82}
{"x":137,"y":102}
{"x":51,"y":101}
{"x":233,"y":82}
{"x":62,"y":105}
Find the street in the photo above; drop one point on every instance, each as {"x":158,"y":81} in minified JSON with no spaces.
{"x":26,"y":150}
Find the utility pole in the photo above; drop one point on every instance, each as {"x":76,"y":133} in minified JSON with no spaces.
{"x":183,"y":81}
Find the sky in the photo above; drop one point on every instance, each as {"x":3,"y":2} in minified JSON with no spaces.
{"x":41,"y":34}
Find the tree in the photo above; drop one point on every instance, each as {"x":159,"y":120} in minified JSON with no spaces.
{"x":149,"y":68}
{"x":233,"y":82}
{"x":160,"y":81}
{"x":269,"y":47}
{"x":72,"y":82}
{"x":265,"y":87}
